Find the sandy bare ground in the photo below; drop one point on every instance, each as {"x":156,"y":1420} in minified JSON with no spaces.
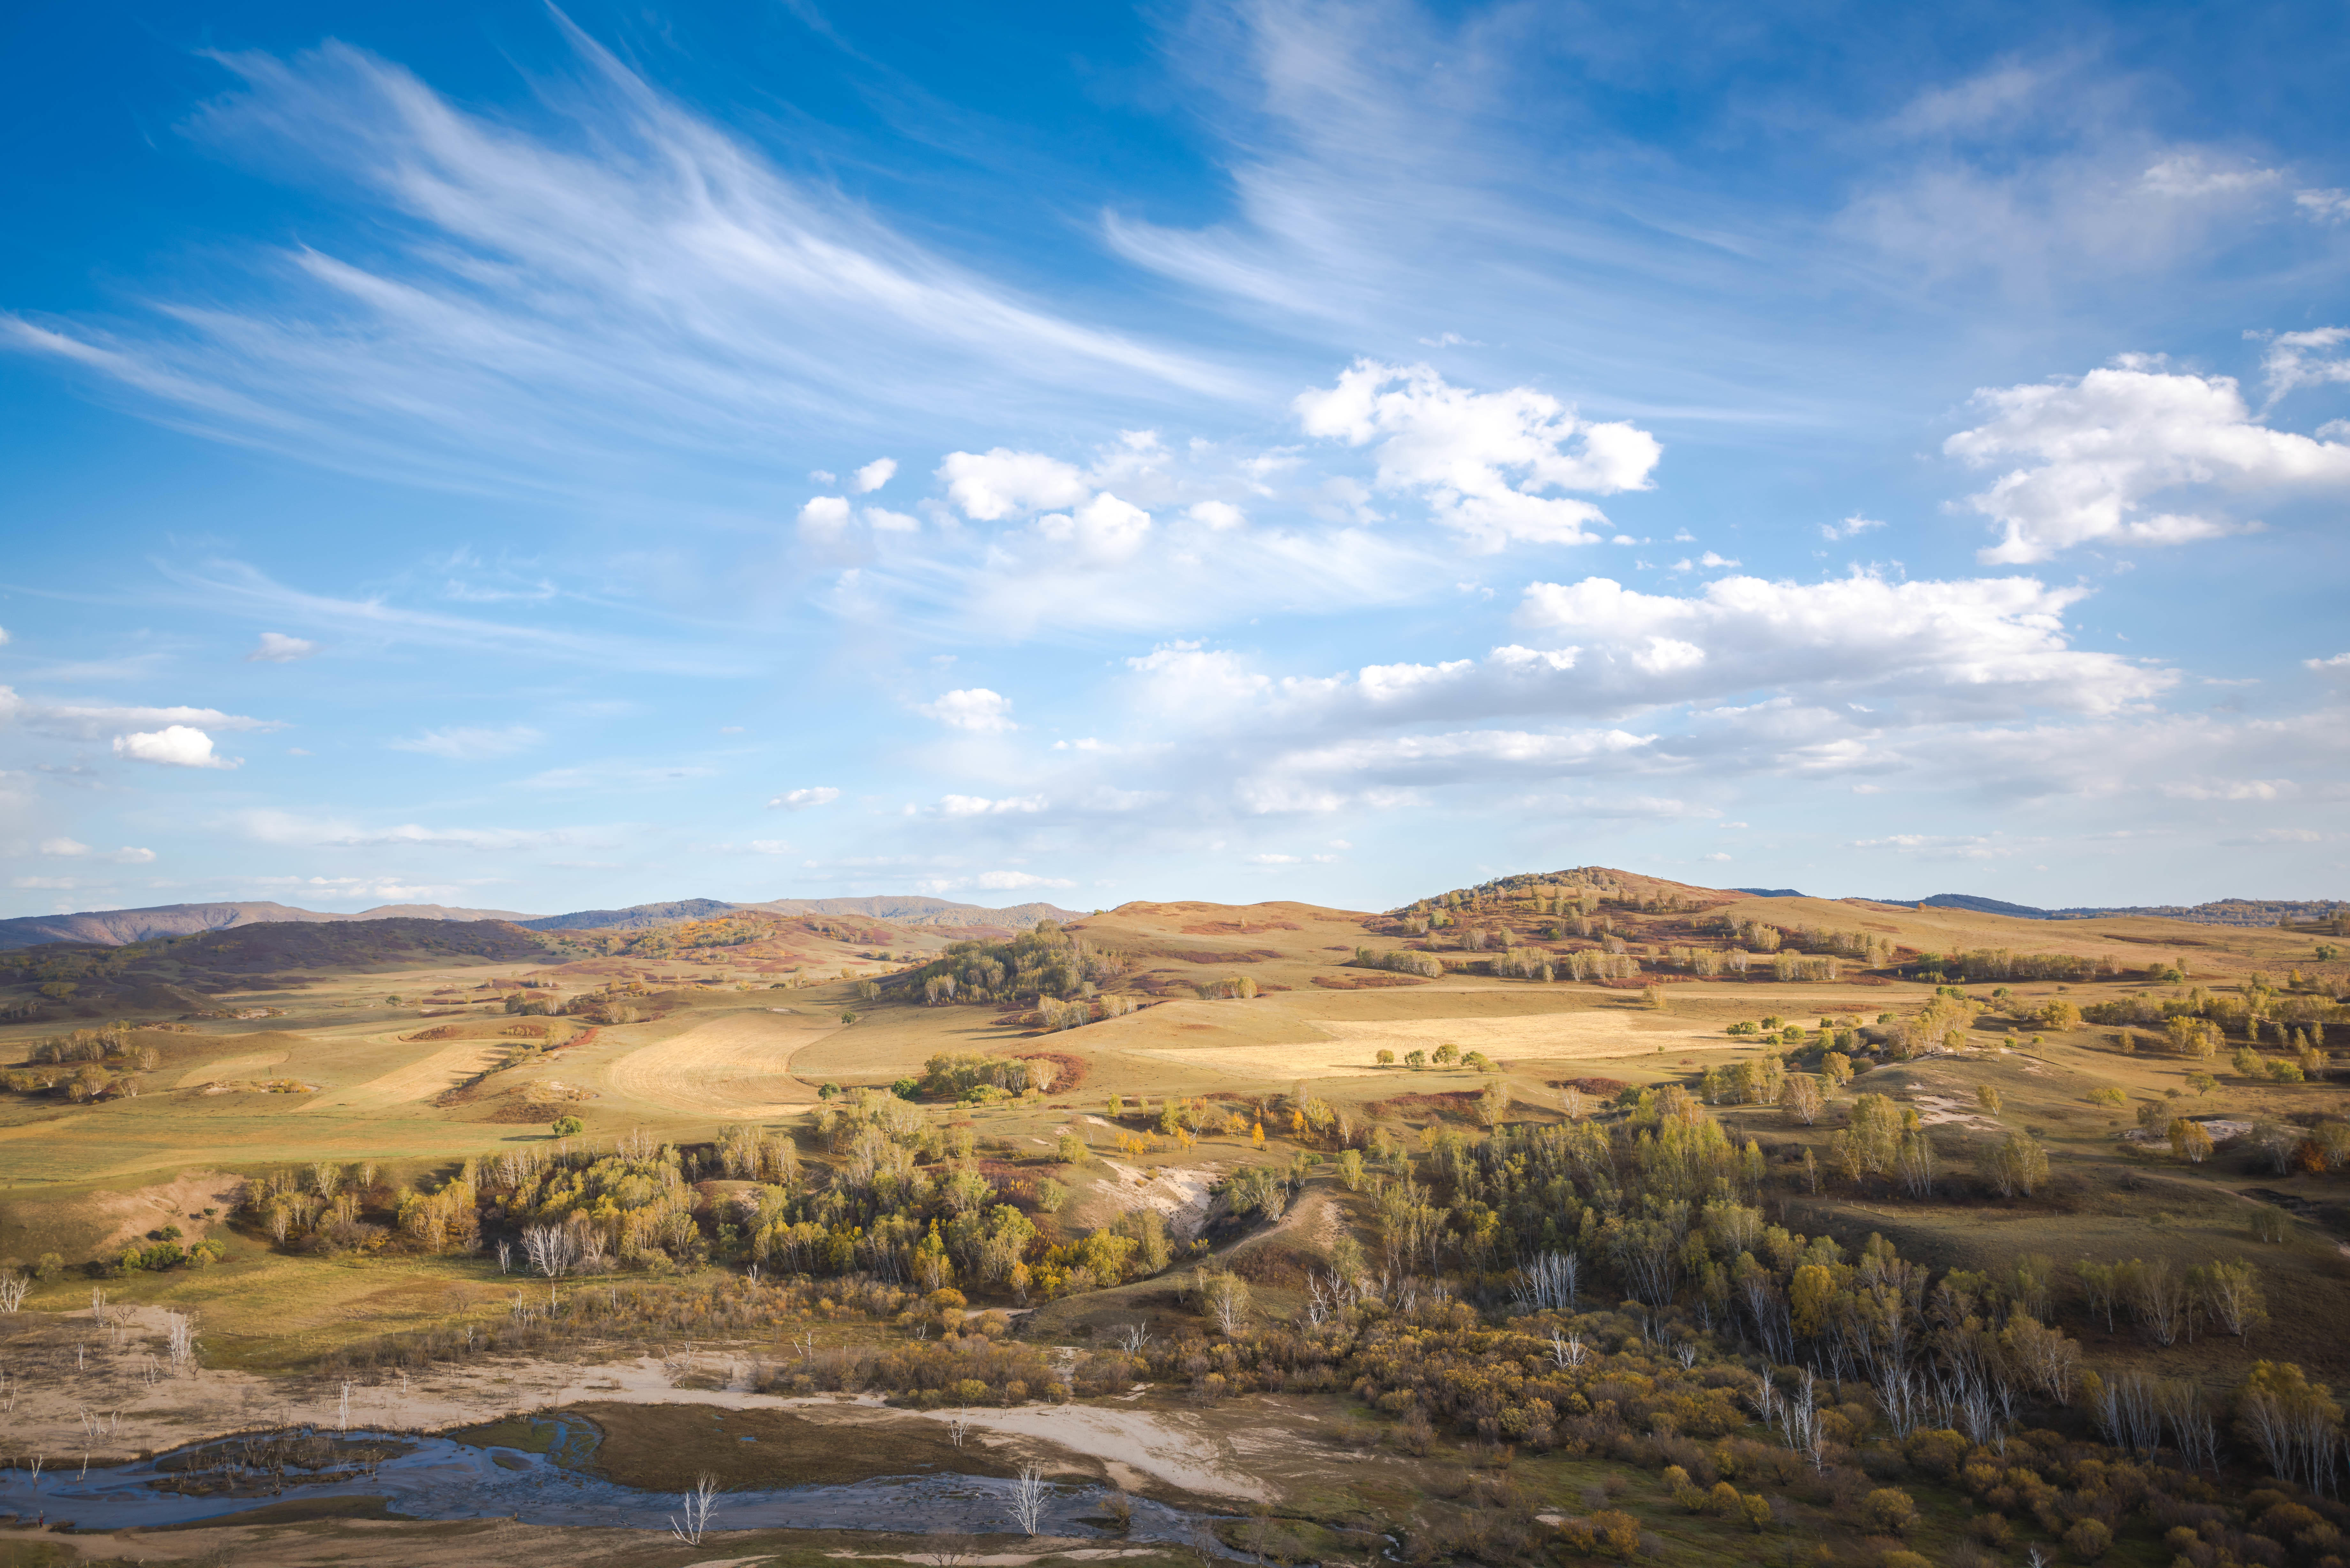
{"x":421,"y":1079}
{"x":179,"y":1201}
{"x":231,"y":1067}
{"x":738,"y":1065}
{"x":1179,"y":1192}
{"x":1180,"y":1450}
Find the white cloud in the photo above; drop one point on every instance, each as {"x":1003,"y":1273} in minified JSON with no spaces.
{"x":1852,"y":525}
{"x":52,"y":884}
{"x":823,"y":519}
{"x":2094,"y":453}
{"x":174,"y":746}
{"x":2300,"y":359}
{"x":2195,"y":174}
{"x":1716,"y":561}
{"x":269,"y":825}
{"x":5,"y":638}
{"x":469,"y":743}
{"x":277,"y":648}
{"x":991,"y":882}
{"x":874,"y":475}
{"x":1002,"y":482}
{"x":63,"y":847}
{"x":881,"y":520}
{"x":600,"y":297}
{"x":801,"y":799}
{"x":1482,"y":459}
{"x":2233,"y":789}
{"x":2339,"y":661}
{"x":770,"y":846}
{"x":979,"y":806}
{"x":1716,"y":854}
{"x":1106,"y":531}
{"x":77,"y":722}
{"x":130,"y":855}
{"x":1217,"y":514}
{"x":975,"y":708}
{"x":2324,"y":206}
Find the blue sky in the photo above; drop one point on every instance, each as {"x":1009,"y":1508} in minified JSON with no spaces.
{"x":538,"y":458}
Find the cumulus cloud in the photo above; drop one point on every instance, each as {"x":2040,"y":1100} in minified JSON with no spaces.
{"x":174,"y":746}
{"x":992,"y":485}
{"x":823,"y":519}
{"x":1217,"y":514}
{"x":470,"y":743}
{"x":2092,"y":455}
{"x":1106,"y":531}
{"x":277,"y":648}
{"x":802,"y":799}
{"x":975,"y":709}
{"x":874,"y":475}
{"x":1482,"y":460}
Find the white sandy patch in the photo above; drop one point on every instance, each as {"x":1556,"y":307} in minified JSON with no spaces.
{"x":1935,"y":1110}
{"x":1179,"y":1192}
{"x":1174,"y":1448}
{"x":444,"y":1069}
{"x":228,"y":1068}
{"x":737,"y":1065}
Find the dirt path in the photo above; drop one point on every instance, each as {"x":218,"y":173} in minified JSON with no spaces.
{"x":420,"y":1080}
{"x":1178,"y":1451}
{"x":738,"y":1066}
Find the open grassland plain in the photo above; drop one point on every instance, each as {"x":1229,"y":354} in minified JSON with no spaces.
{"x":1578,"y":1217}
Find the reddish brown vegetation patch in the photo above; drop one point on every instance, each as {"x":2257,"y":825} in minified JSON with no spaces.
{"x":1605,"y":1088}
{"x":1366,"y":981}
{"x":446,"y":1031}
{"x":1239,"y":928}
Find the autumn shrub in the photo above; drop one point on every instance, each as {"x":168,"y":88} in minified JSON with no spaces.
{"x":2089,"y":1540}
{"x":1890,"y":1510}
{"x":1618,"y":1533}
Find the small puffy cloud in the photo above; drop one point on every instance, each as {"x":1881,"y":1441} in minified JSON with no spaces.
{"x":3,"y":636}
{"x":131,"y":854}
{"x":469,"y":743}
{"x":1852,"y":525}
{"x":2190,"y":175}
{"x":979,"y":806}
{"x":2091,"y":454}
{"x":1217,"y":514}
{"x":801,"y":799}
{"x":1718,"y":561}
{"x":1106,"y":531}
{"x":1000,"y":482}
{"x":1482,"y":459}
{"x":277,"y":648}
{"x":72,"y":849}
{"x":975,"y":708}
{"x":2339,"y":661}
{"x":63,"y":847}
{"x":874,"y":475}
{"x":823,"y":519}
{"x":174,"y":746}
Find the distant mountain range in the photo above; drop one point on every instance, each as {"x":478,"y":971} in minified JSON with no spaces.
{"x":2218,"y":912}
{"x":112,"y":927}
{"x":898,"y":909}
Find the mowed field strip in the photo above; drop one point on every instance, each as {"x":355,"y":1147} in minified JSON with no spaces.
{"x":444,"y":1069}
{"x":738,"y":1065}
{"x":1558,"y":1036}
{"x":229,"y":1068}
